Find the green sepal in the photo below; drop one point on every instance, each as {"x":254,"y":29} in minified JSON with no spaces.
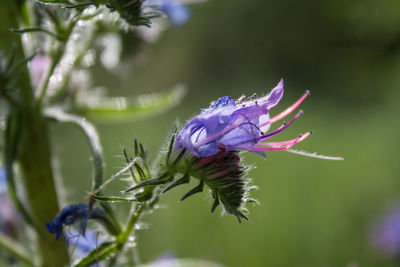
{"x":197,"y":189}
{"x":171,"y":143}
{"x":129,"y":160}
{"x":146,"y":194}
{"x":216,"y":201}
{"x":161,"y":179}
{"x":178,"y":158}
{"x":184,"y":180}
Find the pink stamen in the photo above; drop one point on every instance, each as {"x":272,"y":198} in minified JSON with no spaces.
{"x":286,"y":111}
{"x":278,"y":145}
{"x":283,"y":127}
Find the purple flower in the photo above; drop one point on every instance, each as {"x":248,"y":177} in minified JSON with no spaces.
{"x":385,"y":235}
{"x":207,"y":148}
{"x":235,"y":124}
{"x":176,"y":12}
{"x":72,"y":214}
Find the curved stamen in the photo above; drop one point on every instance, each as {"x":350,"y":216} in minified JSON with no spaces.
{"x":276,"y":148}
{"x":277,"y":144}
{"x":286,"y":111}
{"x":283,"y":127}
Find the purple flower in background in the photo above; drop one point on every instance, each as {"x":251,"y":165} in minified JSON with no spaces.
{"x":170,"y":260}
{"x":9,"y":219}
{"x":177,"y":13}
{"x":3,"y":185}
{"x":72,"y":214}
{"x":385,"y":235}
{"x":236,"y":124}
{"x":38,"y":66}
{"x":80,"y":245}
{"x":83,"y":244}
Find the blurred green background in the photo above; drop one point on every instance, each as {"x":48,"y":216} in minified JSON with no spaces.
{"x":312,"y":212}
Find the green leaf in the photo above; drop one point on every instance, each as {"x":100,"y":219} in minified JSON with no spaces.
{"x":98,"y":254}
{"x":112,"y":198}
{"x":110,"y":109}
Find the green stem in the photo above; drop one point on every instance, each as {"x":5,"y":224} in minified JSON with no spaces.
{"x":15,"y":250}
{"x":135,"y":217}
{"x":123,"y":237}
{"x":9,"y":99}
{"x":35,"y":158}
{"x":35,"y":161}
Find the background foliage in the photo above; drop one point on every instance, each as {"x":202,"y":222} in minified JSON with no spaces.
{"x":312,"y":213}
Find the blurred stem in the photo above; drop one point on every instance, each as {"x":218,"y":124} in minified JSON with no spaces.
{"x":60,"y":92}
{"x":9,"y":99}
{"x":35,"y":161}
{"x":35,"y":158}
{"x":15,"y":250}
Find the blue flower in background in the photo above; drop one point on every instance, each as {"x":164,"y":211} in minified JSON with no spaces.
{"x":83,"y":244}
{"x":3,"y":184}
{"x":9,"y":219}
{"x":176,"y":12}
{"x":72,"y":214}
{"x":385,"y":235}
